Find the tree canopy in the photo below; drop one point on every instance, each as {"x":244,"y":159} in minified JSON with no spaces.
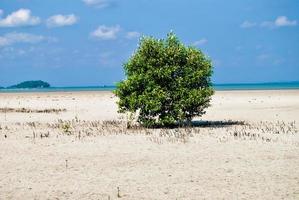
{"x":31,"y":84}
{"x":166,"y":82}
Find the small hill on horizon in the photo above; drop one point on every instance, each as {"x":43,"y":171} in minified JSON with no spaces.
{"x":30,"y":84}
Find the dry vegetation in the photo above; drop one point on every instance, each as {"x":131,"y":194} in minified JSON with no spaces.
{"x":28,"y":110}
{"x":223,"y":131}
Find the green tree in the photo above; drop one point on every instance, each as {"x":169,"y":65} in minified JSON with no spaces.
{"x":31,"y":84}
{"x":167,"y":82}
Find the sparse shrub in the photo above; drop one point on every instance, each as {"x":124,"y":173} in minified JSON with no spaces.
{"x":66,"y":127}
{"x":167,"y":82}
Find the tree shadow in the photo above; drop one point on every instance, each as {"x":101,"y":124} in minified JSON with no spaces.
{"x":215,"y":124}
{"x":196,"y":123}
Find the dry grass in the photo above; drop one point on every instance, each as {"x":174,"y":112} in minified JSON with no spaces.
{"x":223,"y":131}
{"x":28,"y":110}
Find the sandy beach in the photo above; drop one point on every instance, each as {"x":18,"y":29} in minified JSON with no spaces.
{"x":74,"y":145}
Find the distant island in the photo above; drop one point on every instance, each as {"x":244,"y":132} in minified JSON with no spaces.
{"x":30,"y":84}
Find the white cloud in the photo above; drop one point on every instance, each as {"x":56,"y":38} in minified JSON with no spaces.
{"x":106,"y":33}
{"x":21,"y":17}
{"x":284,"y":21}
{"x":247,"y":24}
{"x":97,"y":3}
{"x":61,"y":20}
{"x":13,"y":38}
{"x":200,"y":42}
{"x":278,"y":22}
{"x":132,"y":35}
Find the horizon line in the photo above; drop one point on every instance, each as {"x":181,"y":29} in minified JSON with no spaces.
{"x":214,"y":84}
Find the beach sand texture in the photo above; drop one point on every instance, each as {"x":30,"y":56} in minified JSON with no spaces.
{"x":74,"y":145}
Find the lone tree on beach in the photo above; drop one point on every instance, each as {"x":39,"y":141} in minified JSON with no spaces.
{"x":167,"y":82}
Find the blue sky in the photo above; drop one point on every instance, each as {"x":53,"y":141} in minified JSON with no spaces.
{"x":85,"y":42}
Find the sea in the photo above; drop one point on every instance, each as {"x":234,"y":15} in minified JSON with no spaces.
{"x":217,"y":87}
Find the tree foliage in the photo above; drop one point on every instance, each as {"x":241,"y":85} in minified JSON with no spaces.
{"x":31,"y":84}
{"x":167,"y":82}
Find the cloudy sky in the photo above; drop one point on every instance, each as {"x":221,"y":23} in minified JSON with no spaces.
{"x":85,"y":42}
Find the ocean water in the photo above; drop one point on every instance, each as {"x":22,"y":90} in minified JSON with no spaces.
{"x":217,"y":87}
{"x":61,"y":89}
{"x":258,"y":86}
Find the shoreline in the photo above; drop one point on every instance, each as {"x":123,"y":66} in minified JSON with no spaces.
{"x":41,"y":91}
{"x":217,"y":87}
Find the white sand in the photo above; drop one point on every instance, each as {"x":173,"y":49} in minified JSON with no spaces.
{"x":209,"y":163}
